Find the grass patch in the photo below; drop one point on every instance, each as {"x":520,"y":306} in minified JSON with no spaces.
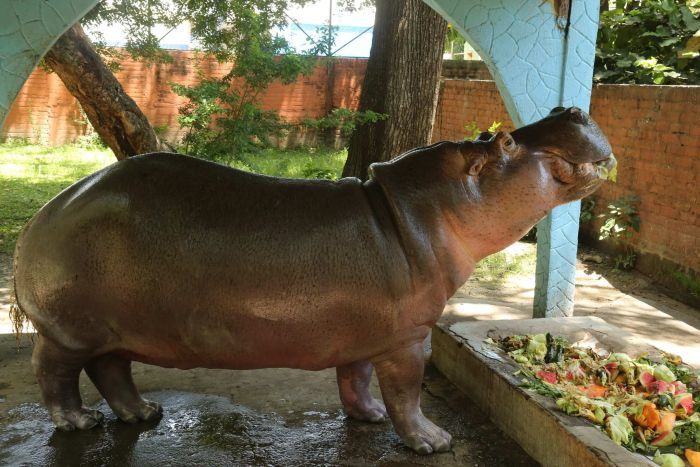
{"x":498,"y":267}
{"x":30,"y":175}
{"x":297,"y":163}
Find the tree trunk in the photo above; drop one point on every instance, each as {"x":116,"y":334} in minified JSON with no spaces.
{"x":113,"y":114}
{"x":402,"y":80}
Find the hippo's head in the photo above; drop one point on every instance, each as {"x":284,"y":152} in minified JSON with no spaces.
{"x":493,"y":190}
{"x":565,"y":155}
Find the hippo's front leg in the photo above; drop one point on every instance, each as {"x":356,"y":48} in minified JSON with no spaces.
{"x":353,"y":384}
{"x":400,"y":374}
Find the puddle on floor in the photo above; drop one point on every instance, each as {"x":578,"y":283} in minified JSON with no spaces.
{"x":196,"y":429}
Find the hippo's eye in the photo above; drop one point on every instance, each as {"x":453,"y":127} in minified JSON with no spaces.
{"x":508,"y":143}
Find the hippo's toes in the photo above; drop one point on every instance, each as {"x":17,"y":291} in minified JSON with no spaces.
{"x":82,"y":419}
{"x":370,"y":411}
{"x":428,"y":438}
{"x":145,"y":411}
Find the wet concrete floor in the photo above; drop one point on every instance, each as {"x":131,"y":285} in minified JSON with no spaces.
{"x":221,"y":417}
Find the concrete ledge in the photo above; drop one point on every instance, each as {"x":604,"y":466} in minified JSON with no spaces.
{"x":533,"y":421}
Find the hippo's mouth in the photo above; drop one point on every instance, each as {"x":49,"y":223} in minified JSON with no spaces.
{"x":582,"y":178}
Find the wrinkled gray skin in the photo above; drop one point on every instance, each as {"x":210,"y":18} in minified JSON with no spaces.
{"x":177,"y":262}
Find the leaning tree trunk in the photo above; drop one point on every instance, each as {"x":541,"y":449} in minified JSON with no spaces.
{"x":402,"y":80}
{"x":113,"y":114}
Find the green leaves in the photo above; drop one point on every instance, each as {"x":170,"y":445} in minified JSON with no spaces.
{"x":223,"y":117}
{"x":621,"y":219}
{"x":652,"y":42}
{"x":668,"y":460}
{"x":221,"y":120}
{"x":620,"y":222}
{"x":345,"y":120}
{"x":472,"y":129}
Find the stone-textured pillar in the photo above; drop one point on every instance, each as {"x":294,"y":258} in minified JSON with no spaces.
{"x":28,"y":28}
{"x":536,"y":67}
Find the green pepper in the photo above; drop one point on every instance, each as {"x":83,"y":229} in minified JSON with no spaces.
{"x":664,"y":401}
{"x":555,"y":352}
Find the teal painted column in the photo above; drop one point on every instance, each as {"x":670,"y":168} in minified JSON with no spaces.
{"x":536,"y":67}
{"x":28,"y":28}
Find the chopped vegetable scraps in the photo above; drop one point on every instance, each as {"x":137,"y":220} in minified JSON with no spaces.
{"x":693,"y":457}
{"x":647,"y":404}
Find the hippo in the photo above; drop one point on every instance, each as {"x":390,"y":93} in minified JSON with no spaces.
{"x":174,"y":261}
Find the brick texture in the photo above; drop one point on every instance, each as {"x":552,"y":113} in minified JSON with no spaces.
{"x":657,"y":145}
{"x":45,"y":112}
{"x":462,"y":103}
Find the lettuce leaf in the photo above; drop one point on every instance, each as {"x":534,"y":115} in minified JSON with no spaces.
{"x":619,"y":429}
{"x":668,"y":460}
{"x":537,"y":347}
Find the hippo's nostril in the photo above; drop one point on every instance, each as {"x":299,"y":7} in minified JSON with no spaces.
{"x":557,"y":110}
{"x":578,"y":116}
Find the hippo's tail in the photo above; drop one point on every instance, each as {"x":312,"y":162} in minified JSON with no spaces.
{"x":18,"y":317}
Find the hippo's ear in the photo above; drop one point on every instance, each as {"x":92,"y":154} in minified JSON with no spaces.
{"x":477,"y":163}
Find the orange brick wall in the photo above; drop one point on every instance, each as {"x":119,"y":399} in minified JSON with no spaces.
{"x":45,"y":111}
{"x":462,"y":102}
{"x":656,"y":139}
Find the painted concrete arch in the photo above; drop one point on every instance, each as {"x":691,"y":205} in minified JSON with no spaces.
{"x":28,"y":28}
{"x":537,"y":66}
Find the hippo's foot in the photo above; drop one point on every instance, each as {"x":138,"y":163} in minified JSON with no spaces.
{"x":146,"y":411}
{"x":57,"y":370}
{"x":425,"y":437}
{"x":371,"y":411}
{"x":400,"y":375}
{"x":353,"y":384}
{"x":111,"y":374}
{"x":82,"y":419}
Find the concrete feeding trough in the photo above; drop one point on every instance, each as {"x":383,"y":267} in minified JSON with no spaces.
{"x":486,"y":374}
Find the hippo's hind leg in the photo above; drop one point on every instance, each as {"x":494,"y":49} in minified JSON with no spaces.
{"x":58,"y":370}
{"x":353,"y":384}
{"x":111,"y":374}
{"x":400,"y":374}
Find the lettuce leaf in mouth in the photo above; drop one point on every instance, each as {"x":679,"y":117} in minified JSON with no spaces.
{"x":607,"y":174}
